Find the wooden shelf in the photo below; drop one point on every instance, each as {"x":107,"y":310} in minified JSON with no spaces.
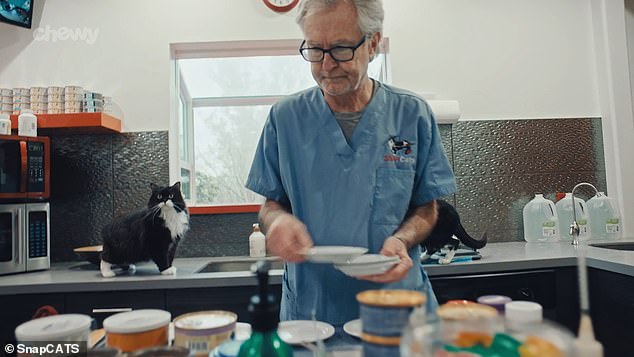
{"x":74,"y":123}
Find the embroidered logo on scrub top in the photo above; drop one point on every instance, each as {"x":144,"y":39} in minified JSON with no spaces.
{"x":400,"y":148}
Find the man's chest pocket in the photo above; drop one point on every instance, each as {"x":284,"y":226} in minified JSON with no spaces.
{"x":392,"y":195}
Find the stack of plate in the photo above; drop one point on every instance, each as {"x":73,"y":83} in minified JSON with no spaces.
{"x":368,"y":264}
{"x":333,"y":254}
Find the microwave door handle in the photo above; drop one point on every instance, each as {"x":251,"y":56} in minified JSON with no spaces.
{"x":21,"y":242}
{"x":23,"y":165}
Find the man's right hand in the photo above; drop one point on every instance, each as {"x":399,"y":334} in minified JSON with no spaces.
{"x":287,"y":238}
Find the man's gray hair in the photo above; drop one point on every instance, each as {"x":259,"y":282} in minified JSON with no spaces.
{"x":369,"y":13}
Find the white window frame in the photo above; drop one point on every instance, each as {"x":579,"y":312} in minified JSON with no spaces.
{"x":218,"y":50}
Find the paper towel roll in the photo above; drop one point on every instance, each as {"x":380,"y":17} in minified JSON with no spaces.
{"x":445,"y":111}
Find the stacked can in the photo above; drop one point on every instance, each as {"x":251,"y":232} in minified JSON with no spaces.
{"x":21,"y":99}
{"x":6,"y":101}
{"x":73,"y":99}
{"x":107,"y":105}
{"x":39,"y":100}
{"x":55,"y":100}
{"x":93,"y":102}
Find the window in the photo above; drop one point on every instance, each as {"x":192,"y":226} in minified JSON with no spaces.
{"x":224,"y":92}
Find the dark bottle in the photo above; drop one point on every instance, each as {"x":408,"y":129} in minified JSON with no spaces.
{"x":264,"y":314}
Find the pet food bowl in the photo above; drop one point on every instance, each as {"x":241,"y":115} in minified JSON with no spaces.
{"x":90,"y":253}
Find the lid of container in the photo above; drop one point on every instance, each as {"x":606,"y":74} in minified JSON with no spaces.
{"x":137,"y":321}
{"x":204,"y":320}
{"x":391,"y":298}
{"x":465,"y":310}
{"x":54,"y":327}
{"x":523,"y":311}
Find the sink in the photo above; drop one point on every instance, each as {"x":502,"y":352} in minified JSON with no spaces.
{"x":233,"y":266}
{"x":615,"y":245}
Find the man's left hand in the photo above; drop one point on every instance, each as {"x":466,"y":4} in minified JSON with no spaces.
{"x":391,"y":247}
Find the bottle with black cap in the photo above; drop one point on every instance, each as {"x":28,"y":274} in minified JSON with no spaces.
{"x":264,"y":314}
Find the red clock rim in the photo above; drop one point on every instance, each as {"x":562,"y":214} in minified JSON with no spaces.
{"x":281,"y":8}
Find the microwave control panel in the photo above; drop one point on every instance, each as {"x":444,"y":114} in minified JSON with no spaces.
{"x":35,"y":166}
{"x":38,"y":231}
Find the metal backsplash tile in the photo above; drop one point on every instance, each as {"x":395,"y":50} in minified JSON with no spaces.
{"x":510,"y":147}
{"x":500,"y":165}
{"x":81,"y":191}
{"x":138,"y":159}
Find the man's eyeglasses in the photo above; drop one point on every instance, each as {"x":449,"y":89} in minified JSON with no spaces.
{"x":337,"y":53}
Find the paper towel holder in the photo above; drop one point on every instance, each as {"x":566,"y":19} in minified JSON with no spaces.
{"x":445,"y":111}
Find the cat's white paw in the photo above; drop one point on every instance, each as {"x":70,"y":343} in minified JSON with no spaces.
{"x":106,"y":269}
{"x":444,"y":261}
{"x":169,"y":271}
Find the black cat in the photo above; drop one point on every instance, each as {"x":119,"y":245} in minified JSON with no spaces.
{"x":150,"y":233}
{"x":447,"y":227}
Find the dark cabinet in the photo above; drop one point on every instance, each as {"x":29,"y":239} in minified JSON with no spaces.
{"x":17,"y":309}
{"x":235,"y":299}
{"x":554,"y":289}
{"x":100,"y":305}
{"x":612,"y":311}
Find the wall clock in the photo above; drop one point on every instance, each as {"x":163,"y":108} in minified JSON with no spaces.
{"x":281,"y":5}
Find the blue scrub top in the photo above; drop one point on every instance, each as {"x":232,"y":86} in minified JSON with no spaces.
{"x":353,"y":194}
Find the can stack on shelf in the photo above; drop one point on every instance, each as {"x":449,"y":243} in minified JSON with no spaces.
{"x":6,"y":101}
{"x":39,"y":100}
{"x":53,"y":100}
{"x":21,"y":100}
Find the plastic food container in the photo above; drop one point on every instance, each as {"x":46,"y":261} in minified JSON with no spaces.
{"x":138,"y":329}
{"x":64,"y":327}
{"x":202,"y":331}
{"x":384,"y":315}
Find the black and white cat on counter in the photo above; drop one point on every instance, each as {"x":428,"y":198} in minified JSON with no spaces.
{"x":151,"y":233}
{"x":448,"y":232}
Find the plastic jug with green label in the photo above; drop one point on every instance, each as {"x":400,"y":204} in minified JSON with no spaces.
{"x":540,"y":220}
{"x":605,"y":219}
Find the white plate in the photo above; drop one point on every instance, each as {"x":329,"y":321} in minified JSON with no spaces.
{"x":333,"y":254}
{"x":301,"y":331}
{"x":368,"y":264}
{"x":353,"y":328}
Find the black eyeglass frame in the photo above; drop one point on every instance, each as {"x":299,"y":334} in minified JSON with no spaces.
{"x":329,"y":51}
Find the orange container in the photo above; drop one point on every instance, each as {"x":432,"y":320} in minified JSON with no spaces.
{"x":138,"y":329}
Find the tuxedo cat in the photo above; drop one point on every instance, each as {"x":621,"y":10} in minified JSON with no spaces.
{"x":447,"y":227}
{"x":150,"y":233}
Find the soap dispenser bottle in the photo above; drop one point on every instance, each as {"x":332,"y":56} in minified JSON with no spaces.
{"x":263,"y":310}
{"x":257,"y":243}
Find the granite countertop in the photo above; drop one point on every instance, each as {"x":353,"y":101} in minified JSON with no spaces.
{"x":496,"y":257}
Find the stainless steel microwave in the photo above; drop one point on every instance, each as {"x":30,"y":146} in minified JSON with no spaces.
{"x":24,"y":168}
{"x":24,"y":237}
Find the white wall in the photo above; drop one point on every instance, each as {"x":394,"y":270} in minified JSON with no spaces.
{"x":499,"y":58}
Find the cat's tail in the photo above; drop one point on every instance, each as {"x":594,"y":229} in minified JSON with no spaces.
{"x":467,"y":240}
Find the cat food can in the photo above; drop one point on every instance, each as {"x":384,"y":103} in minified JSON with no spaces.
{"x":63,"y":327}
{"x":384,"y":315}
{"x":202,"y":331}
{"x":138,"y":329}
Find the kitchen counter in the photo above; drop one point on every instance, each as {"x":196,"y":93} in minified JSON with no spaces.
{"x":496,"y":257}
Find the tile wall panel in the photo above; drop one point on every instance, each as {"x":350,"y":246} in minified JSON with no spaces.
{"x":81,"y":191}
{"x":499,"y":165}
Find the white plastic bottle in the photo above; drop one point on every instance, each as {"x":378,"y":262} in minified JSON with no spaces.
{"x":605,"y":218}
{"x":27,"y":123}
{"x":257,"y":243}
{"x":540,"y":220}
{"x":564,"y":212}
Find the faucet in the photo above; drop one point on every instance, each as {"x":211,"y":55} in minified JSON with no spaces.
{"x":574,"y":227}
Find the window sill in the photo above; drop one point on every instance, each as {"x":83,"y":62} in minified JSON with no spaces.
{"x":201,"y":210}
